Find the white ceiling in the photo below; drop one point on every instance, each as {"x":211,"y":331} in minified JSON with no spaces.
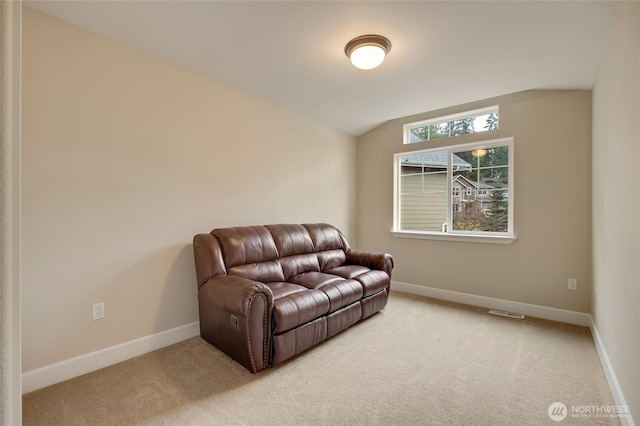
{"x":292,"y":52}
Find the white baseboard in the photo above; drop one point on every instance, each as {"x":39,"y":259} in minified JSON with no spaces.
{"x":60,"y":371}
{"x":614,"y":385}
{"x":538,"y":311}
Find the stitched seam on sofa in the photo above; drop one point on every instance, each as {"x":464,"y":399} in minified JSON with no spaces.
{"x":251,"y":355}
{"x":265,"y":332}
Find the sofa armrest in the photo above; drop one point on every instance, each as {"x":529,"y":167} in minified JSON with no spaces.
{"x":235,"y":294}
{"x":380,"y":261}
{"x":235,"y":317}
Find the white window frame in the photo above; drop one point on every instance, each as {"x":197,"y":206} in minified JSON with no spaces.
{"x":453,"y":235}
{"x":445,"y":119}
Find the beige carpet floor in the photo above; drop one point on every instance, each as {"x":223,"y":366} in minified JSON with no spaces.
{"x":419,"y":361}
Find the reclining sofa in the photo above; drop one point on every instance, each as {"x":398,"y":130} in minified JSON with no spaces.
{"x":268,"y":293}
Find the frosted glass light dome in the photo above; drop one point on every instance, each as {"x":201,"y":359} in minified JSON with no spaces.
{"x":367,"y":57}
{"x":368,"y":51}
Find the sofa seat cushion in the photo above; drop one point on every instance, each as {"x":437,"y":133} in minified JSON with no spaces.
{"x":341,"y":292}
{"x":298,"y":307}
{"x":314,"y":279}
{"x":348,"y":271}
{"x":282,"y":289}
{"x":372,"y":281}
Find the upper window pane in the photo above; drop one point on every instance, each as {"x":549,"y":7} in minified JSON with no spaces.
{"x":480,"y":120}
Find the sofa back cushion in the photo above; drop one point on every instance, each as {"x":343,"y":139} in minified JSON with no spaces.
{"x":277,"y":252}
{"x":291,"y":239}
{"x":329,"y":244}
{"x":295,"y":246}
{"x":264,"y":272}
{"x":250,"y":252}
{"x":246,"y":244}
{"x":326,"y":237}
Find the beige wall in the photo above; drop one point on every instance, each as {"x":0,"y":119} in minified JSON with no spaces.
{"x":616,"y":207}
{"x":552,"y":136}
{"x":125,"y":158}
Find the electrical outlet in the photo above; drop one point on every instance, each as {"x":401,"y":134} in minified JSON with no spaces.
{"x":98,"y":311}
{"x":572,"y":284}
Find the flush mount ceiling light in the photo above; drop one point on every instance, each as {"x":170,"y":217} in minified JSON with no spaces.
{"x":367,"y":51}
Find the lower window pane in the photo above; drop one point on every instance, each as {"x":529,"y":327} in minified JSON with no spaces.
{"x":423,"y":191}
{"x":479,"y":199}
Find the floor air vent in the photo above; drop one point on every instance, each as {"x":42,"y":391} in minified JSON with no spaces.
{"x":506,"y":314}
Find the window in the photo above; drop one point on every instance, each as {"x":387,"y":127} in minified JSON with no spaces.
{"x":480,"y":120}
{"x":428,"y":186}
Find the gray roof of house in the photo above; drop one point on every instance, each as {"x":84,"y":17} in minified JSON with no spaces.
{"x":438,"y":158}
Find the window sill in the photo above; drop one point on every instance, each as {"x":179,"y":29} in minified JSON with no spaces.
{"x":465,"y":238}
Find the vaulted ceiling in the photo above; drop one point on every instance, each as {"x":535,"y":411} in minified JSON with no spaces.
{"x":292,"y":52}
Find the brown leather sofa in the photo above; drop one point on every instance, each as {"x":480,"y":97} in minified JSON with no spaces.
{"x":268,"y":293}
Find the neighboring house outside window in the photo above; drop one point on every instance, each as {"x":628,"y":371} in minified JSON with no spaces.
{"x":475,"y":197}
